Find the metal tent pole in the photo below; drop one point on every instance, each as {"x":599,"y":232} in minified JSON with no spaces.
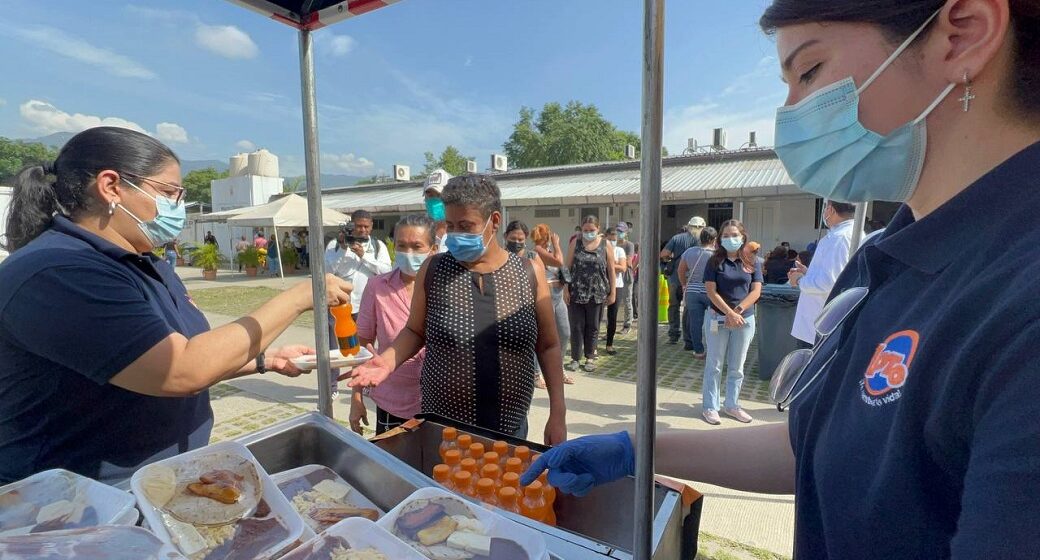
{"x":649,"y":235}
{"x":860,"y":221}
{"x":315,"y":222}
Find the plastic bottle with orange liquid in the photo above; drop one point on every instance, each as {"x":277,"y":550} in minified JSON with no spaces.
{"x":492,"y":471}
{"x":476,"y":451}
{"x":523,"y":453}
{"x":452,"y":458}
{"x":464,"y":441}
{"x":490,"y":458}
{"x":550,"y":498}
{"x":442,"y":474}
{"x":533,"y":504}
{"x":514,"y":465}
{"x":469,"y":465}
{"x":448,"y":437}
{"x":511,"y":479}
{"x":346,"y":330}
{"x":486,"y":491}
{"x":509,"y":499}
{"x":463,"y":483}
{"x":502,"y":448}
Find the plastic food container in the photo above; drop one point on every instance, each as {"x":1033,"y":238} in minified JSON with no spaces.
{"x":495,"y":525}
{"x":353,"y":534}
{"x":275,"y":524}
{"x":58,"y":499}
{"x":302,"y":480}
{"x":105,"y":542}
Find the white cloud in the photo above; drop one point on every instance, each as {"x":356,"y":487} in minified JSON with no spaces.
{"x":226,"y":40}
{"x":171,"y":133}
{"x":3,"y":102}
{"x":245,"y":146}
{"x":348,"y":163}
{"x":341,"y":45}
{"x":61,"y":43}
{"x":44,"y":118}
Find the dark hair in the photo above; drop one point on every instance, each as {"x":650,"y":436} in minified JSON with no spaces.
{"x":360,"y":215}
{"x":517,"y":224}
{"x":610,"y":231}
{"x":792,"y":254}
{"x":590,"y":219}
{"x":805,"y":257}
{"x":777,"y":254}
{"x":708,"y":235}
{"x":474,"y":190}
{"x":843,"y":208}
{"x":419,"y":221}
{"x":899,"y":18}
{"x":40,"y":191}
{"x":745,"y":256}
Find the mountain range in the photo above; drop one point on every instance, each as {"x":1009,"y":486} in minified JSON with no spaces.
{"x":328,"y":180}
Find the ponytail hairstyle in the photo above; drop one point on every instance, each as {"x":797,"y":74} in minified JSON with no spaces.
{"x":721,"y":254}
{"x":63,"y":187}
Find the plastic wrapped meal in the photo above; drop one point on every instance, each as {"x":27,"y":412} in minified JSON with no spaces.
{"x":322,"y":498}
{"x":107,"y":542}
{"x":57,"y":499}
{"x":354,"y":539}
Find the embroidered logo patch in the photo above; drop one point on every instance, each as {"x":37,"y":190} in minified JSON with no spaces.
{"x":889,"y":368}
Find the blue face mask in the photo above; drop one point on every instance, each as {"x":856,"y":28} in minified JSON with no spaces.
{"x":732,"y":243}
{"x":828,"y":151}
{"x":168,"y":222}
{"x":590,"y":236}
{"x":467,"y":247}
{"x":409,"y":263}
{"x":435,"y":209}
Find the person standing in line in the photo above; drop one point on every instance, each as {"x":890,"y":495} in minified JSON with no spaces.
{"x":547,"y":245}
{"x":733,"y":281}
{"x":260,"y":242}
{"x":274,"y":256}
{"x":691,"y":273}
{"x":777,"y":265}
{"x":210,"y":239}
{"x":670,"y":255}
{"x":592,"y":286}
{"x":301,"y":249}
{"x":625,"y":295}
{"x":240,"y":247}
{"x":356,"y":257}
{"x":620,"y":270}
{"x":432,"y":189}
{"x":815,"y":281}
{"x":170,"y":252}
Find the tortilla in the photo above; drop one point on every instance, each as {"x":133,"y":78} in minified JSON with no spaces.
{"x":200,"y":510}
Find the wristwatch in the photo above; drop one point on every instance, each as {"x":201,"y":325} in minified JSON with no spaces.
{"x":261,"y":367}
{"x":738,"y":309}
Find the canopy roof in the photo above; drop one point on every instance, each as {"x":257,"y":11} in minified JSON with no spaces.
{"x":288,"y":211}
{"x":312,"y":14}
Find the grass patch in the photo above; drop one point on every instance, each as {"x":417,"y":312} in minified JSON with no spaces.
{"x":718,"y":548}
{"x":237,"y":301}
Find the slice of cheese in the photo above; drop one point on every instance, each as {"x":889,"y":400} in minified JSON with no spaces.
{"x":55,"y":510}
{"x":471,"y":542}
{"x":469,"y":524}
{"x":332,"y":489}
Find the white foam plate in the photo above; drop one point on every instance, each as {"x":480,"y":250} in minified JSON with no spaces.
{"x":354,"y":498}
{"x":309,"y":362}
{"x":112,"y":506}
{"x":359,"y":534}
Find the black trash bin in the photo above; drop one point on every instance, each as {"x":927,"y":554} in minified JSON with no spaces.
{"x":776,"y":309}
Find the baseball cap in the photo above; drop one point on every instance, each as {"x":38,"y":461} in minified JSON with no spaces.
{"x":436,"y":181}
{"x":697,"y":221}
{"x":622,"y":227}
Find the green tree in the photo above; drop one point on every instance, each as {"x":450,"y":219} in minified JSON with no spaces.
{"x":450,"y":160}
{"x":15,"y":154}
{"x":563,"y":135}
{"x":197,"y":184}
{"x":293,"y":185}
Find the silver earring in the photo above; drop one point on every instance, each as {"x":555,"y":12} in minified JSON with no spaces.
{"x":111,"y":208}
{"x":968,"y":96}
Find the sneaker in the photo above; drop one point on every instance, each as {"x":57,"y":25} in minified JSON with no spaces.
{"x":573,"y":366}
{"x":737,"y":414}
{"x":711,"y":417}
{"x":590,"y":365}
{"x":625,"y":330}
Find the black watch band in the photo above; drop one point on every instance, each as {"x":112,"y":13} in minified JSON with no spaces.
{"x":261,"y":367}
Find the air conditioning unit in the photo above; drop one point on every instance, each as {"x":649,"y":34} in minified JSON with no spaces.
{"x":691,"y":144}
{"x":402,"y":173}
{"x":752,"y":140}
{"x":499,"y":162}
{"x":471,"y":166}
{"x":718,"y":139}
{"x":630,"y":151}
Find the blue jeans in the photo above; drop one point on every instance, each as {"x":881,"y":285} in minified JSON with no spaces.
{"x":731,"y":346}
{"x":272,"y":265}
{"x":696,"y":306}
{"x":171,"y":257}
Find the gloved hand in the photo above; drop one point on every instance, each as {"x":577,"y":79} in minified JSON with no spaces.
{"x":577,"y":465}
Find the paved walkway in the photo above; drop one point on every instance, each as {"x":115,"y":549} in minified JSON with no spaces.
{"x":598,"y":403}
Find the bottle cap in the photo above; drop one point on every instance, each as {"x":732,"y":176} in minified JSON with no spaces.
{"x":501,"y":447}
{"x":533,"y":490}
{"x":469,"y":464}
{"x":511,"y":479}
{"x":514,"y":465}
{"x":486,"y":486}
{"x":490,"y":457}
{"x":452,"y":456}
{"x":449,"y":434}
{"x":441,"y":471}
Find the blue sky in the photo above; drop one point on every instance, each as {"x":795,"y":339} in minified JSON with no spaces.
{"x":212,"y":79}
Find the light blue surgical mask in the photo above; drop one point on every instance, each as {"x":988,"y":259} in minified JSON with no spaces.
{"x":409,"y":263}
{"x":589,"y":236}
{"x":168,"y":222}
{"x":435,"y":209}
{"x":732,"y":243}
{"x":467,"y":247}
{"x":828,"y":152}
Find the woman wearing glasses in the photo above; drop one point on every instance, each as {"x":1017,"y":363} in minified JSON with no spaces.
{"x":911,"y":431}
{"x":104,"y":359}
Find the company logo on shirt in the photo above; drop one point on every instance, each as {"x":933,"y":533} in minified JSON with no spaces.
{"x":889,"y":368}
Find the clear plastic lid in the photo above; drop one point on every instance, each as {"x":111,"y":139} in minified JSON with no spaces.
{"x":322,"y":497}
{"x":105,"y":542}
{"x":57,"y":499}
{"x":354,"y":538}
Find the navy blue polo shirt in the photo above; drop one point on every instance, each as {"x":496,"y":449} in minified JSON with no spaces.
{"x":921,"y":439}
{"x":732,"y":282}
{"x":75,"y":310}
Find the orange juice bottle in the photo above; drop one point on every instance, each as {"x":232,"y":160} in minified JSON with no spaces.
{"x":346,"y":330}
{"x":550,"y":498}
{"x":514,"y":465}
{"x":502,"y":448}
{"x":490,"y":458}
{"x":476,"y":451}
{"x":533,"y":504}
{"x":512,"y":479}
{"x":464,"y":441}
{"x":492,"y":471}
{"x":448,"y":437}
{"x":452,"y":458}
{"x":463,"y":483}
{"x":523,"y":453}
{"x":469,"y":465}
{"x":486,"y":491}
{"x":509,"y":499}
{"x":442,"y":474}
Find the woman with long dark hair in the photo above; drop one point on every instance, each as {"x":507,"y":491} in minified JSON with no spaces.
{"x":733,"y":282}
{"x":591,"y":262}
{"x":105,"y":361}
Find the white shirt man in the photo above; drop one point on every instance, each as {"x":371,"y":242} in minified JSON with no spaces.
{"x":432,"y":189}
{"x":816,"y":281}
{"x":358,"y":262}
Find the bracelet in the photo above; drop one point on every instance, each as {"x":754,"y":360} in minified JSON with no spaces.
{"x":261,"y":366}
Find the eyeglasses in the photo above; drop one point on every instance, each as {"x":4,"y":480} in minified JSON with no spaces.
{"x":790,"y":371}
{"x":177,"y":198}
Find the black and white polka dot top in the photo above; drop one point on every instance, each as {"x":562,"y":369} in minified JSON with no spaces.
{"x":480,"y":346}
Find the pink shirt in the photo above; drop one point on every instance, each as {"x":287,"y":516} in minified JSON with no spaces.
{"x":384,"y":312}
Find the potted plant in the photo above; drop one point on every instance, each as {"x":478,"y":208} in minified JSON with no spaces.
{"x":250,"y":260}
{"x":290,"y":258}
{"x":208,"y":258}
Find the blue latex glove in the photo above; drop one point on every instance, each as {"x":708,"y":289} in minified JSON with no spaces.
{"x":577,"y":465}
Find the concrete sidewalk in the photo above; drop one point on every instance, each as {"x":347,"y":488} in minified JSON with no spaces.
{"x":594,"y":405}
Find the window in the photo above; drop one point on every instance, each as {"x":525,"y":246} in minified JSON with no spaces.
{"x":546,"y":212}
{"x":379,"y":224}
{"x":719,"y":212}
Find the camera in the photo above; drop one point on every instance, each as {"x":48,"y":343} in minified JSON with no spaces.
{"x":347,"y":230}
